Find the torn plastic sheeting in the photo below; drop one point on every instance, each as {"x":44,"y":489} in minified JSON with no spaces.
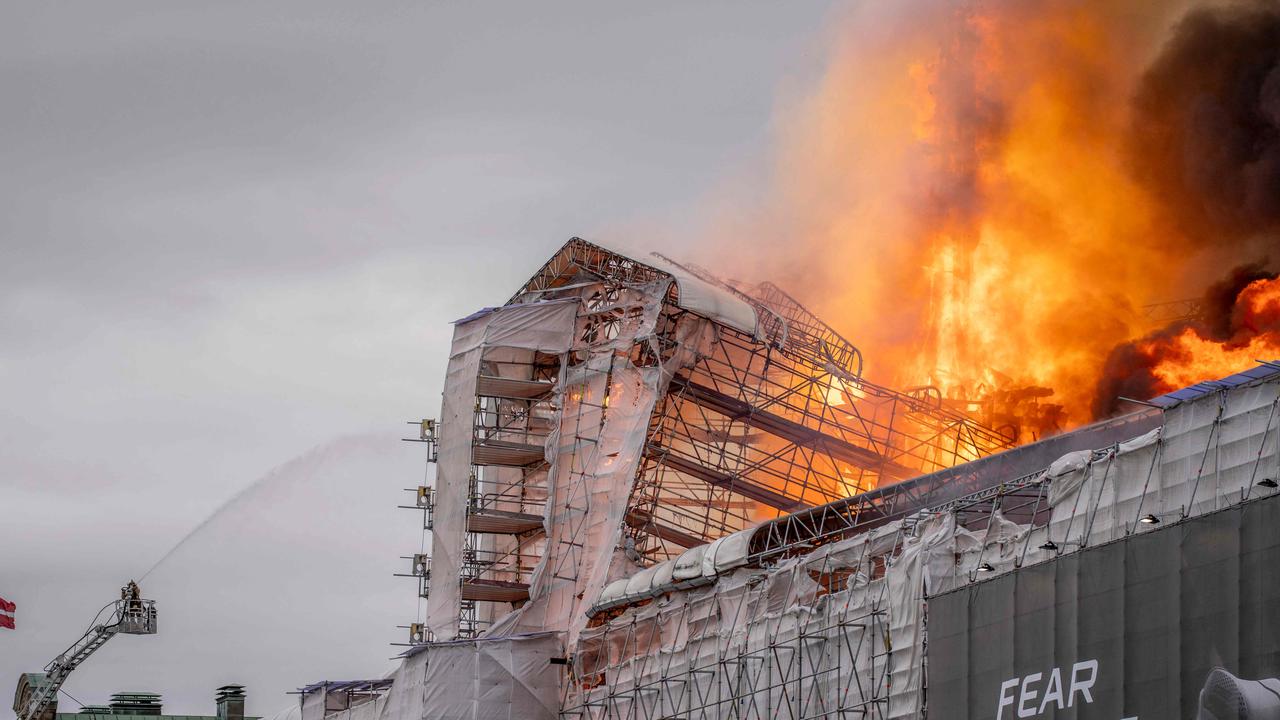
{"x":718,"y":304}
{"x":633,"y":316}
{"x":547,"y":327}
{"x":589,"y":485}
{"x":884,"y":539}
{"x":906,"y":580}
{"x":1002,"y":542}
{"x":631,"y":404}
{"x":850,"y":552}
{"x":701,"y":297}
{"x":1068,"y":463}
{"x":543,"y":326}
{"x":1068,"y":474}
{"x":751,"y":616}
{"x":1144,"y":440}
{"x":702,"y":632}
{"x":689,"y":564}
{"x":1001,"y":531}
{"x":778,"y":595}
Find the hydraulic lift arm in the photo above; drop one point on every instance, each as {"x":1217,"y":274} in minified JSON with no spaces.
{"x":130,"y":615}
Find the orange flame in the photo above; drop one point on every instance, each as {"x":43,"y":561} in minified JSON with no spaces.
{"x":963,"y":175}
{"x":1189,"y":357}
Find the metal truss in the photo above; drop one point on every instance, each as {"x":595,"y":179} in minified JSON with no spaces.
{"x":763,"y":424}
{"x":832,"y":662}
{"x":799,"y":532}
{"x":751,"y":427}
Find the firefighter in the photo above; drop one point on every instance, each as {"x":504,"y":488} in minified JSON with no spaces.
{"x":134,"y":597}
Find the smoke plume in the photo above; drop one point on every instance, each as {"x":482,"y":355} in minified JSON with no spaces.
{"x":1207,"y":123}
{"x":1239,"y":322}
{"x":984,"y":195}
{"x":1206,"y":143}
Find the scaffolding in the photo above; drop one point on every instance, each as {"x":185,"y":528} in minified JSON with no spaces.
{"x":659,"y":493}
{"x":831,"y":662}
{"x":826,"y":613}
{"x":752,"y":409}
{"x":832,"y":621}
{"x":766,"y":420}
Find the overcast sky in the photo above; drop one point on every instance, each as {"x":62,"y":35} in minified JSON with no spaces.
{"x":232,"y":232}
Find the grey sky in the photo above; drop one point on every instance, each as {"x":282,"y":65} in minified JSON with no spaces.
{"x":232,"y":231}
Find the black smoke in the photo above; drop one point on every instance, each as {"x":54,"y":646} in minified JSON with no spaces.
{"x":1205,"y":141}
{"x":1128,"y":371}
{"x":1206,"y":123}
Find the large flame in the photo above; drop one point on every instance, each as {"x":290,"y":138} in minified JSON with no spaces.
{"x":1243,"y":329}
{"x":1191,"y":357}
{"x":967,"y":173}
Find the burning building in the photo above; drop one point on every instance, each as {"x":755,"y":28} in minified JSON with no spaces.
{"x":1001,"y":198}
{"x":646,"y":406}
{"x":661,"y":494}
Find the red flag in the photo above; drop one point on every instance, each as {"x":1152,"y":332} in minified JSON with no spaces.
{"x":6,"y":613}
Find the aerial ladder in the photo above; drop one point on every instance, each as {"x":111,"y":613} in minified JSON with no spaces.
{"x":37,"y":693}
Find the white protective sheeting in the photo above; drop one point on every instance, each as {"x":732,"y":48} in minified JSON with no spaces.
{"x":842,"y":629}
{"x":615,"y":590}
{"x":729,"y":649}
{"x":640,"y":583}
{"x":731,"y":551}
{"x":312,"y":705}
{"x":907,"y":581}
{"x":363,"y":710}
{"x":605,"y":402}
{"x":453,"y":469}
{"x":662,"y":573}
{"x":710,"y":301}
{"x":699,"y":296}
{"x":689,"y":564}
{"x":709,"y":557}
{"x":485,"y":679}
{"x":1209,"y":454}
{"x":546,"y":327}
{"x":758,"y":643}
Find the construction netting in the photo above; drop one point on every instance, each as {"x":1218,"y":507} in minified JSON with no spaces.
{"x":843,"y":628}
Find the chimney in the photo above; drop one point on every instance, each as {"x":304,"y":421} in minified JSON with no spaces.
{"x":230,"y":702}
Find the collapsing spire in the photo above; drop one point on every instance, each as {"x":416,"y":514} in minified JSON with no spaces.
{"x":618,"y":411}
